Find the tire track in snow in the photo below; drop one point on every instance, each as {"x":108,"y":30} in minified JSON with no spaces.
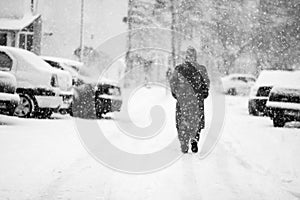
{"x":254,"y":167}
{"x":189,"y":178}
{"x":52,"y":191}
{"x":258,"y":179}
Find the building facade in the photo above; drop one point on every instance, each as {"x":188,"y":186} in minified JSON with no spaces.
{"x":20,"y":24}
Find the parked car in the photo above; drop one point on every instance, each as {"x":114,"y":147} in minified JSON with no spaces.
{"x":106,"y":94}
{"x":284,"y":102}
{"x":259,"y":93}
{"x":238,"y":84}
{"x":71,"y":67}
{"x":38,"y":84}
{"x":8,"y":97}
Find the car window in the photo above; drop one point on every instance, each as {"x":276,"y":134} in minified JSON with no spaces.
{"x":54,"y":64}
{"x":234,"y":78}
{"x":5,"y":62}
{"x":74,"y":67}
{"x":79,"y":82}
{"x":249,"y":79}
{"x":243,"y":79}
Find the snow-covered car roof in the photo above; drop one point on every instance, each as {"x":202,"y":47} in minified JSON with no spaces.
{"x":291,"y":81}
{"x":30,"y":58}
{"x":274,"y":77}
{"x":72,"y":63}
{"x":27,"y":58}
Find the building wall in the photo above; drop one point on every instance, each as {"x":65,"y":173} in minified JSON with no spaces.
{"x":37,"y":37}
{"x":61,"y":24}
{"x":17,"y":9}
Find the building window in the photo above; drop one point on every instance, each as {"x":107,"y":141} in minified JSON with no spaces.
{"x":5,"y":62}
{"x":26,"y":41}
{"x":3,"y":39}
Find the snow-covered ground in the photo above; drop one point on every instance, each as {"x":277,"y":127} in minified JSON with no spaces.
{"x":44,"y":159}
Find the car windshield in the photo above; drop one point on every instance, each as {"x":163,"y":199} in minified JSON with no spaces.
{"x":54,"y":64}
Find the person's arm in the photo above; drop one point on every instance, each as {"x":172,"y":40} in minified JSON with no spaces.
{"x":204,"y":74}
{"x":205,"y":77}
{"x":174,"y":83}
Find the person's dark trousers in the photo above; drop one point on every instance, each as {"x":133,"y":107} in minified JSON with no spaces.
{"x":197,"y":137}
{"x":194,"y":142}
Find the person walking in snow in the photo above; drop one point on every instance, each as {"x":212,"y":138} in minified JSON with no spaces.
{"x":190,"y":86}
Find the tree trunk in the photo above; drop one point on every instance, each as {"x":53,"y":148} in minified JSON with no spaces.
{"x":129,"y":44}
{"x":173,"y":34}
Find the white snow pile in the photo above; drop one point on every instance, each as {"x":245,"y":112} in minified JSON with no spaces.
{"x":44,"y":159}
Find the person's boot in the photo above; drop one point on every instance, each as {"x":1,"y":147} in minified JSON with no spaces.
{"x":194,"y":143}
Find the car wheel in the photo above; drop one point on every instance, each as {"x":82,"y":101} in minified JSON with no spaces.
{"x":66,"y":111}
{"x":279,"y":120}
{"x":70,"y":110}
{"x":99,"y":113}
{"x":232,"y":91}
{"x":25,"y":107}
{"x":252,"y":110}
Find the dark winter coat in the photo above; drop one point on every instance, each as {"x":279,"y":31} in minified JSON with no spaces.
{"x":190,"y":93}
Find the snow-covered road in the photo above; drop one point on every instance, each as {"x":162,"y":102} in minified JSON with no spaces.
{"x":44,"y":159}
